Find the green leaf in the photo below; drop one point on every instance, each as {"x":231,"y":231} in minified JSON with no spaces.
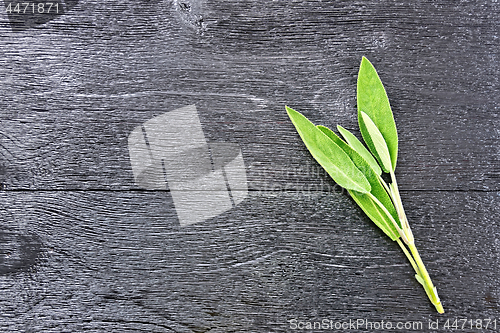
{"x":329,"y":155}
{"x":371,"y":209}
{"x":378,"y":142}
{"x":375,"y":213}
{"x":360,"y":149}
{"x":373,"y":100}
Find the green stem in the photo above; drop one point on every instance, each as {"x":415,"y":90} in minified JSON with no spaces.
{"x":393,"y":192}
{"x":428,"y":286}
{"x":417,"y":263}
{"x":408,"y":255}
{"x":399,"y":208}
{"x":381,"y":205}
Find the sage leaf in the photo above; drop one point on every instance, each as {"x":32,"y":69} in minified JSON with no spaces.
{"x":378,"y":142}
{"x":372,"y":99}
{"x":329,"y":155}
{"x":375,"y":213}
{"x":360,"y":149}
{"x":371,"y":209}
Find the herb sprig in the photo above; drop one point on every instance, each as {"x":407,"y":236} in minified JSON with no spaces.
{"x":359,"y":170}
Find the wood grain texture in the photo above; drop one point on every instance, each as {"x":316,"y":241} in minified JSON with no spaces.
{"x":82,"y":248}
{"x":72,"y":96}
{"x":119,"y":260}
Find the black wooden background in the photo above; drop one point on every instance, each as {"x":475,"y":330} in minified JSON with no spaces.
{"x":83,"y":249}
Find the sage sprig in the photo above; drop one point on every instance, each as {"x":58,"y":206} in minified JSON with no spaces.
{"x":359,"y":170}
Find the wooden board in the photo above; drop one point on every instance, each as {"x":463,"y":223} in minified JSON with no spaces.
{"x":83,"y":248}
{"x":118,"y":260}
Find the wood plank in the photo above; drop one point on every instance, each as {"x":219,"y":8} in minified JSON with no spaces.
{"x":118,"y":261}
{"x":71,"y":97}
{"x":41,"y":152}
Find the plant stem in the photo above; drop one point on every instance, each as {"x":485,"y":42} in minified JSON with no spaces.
{"x":407,"y":236}
{"x":381,"y":205}
{"x":396,"y":198}
{"x":416,"y":261}
{"x":408,"y":255}
{"x":428,"y":286}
